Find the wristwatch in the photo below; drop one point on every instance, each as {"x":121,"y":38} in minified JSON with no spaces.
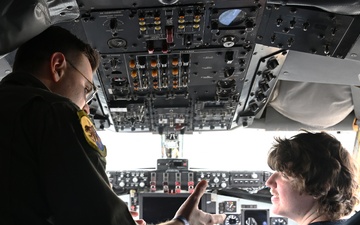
{"x":182,"y":219}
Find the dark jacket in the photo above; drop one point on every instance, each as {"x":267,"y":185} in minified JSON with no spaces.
{"x":52,"y":162}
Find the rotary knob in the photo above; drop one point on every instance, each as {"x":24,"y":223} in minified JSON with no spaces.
{"x":228,"y":41}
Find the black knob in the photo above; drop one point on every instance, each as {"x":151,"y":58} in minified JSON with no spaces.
{"x":272,"y":63}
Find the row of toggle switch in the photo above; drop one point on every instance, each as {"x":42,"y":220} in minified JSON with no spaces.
{"x":175,"y":181}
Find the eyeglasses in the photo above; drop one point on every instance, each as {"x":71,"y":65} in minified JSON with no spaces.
{"x":90,"y":94}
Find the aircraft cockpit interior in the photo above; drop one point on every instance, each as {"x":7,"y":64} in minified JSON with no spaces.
{"x":205,"y":81}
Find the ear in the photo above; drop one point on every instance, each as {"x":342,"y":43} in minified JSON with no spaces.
{"x":58,"y":65}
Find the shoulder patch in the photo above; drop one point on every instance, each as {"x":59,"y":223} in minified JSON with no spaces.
{"x":90,"y":133}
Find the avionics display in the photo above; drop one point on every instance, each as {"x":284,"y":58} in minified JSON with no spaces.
{"x":255,"y":216}
{"x":159,"y":207}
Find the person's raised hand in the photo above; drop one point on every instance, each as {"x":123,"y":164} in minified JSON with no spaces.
{"x":190,"y":210}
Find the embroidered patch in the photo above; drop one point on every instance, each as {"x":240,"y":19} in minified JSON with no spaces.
{"x":90,"y":133}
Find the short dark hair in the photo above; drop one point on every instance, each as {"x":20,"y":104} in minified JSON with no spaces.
{"x":322,"y":168}
{"x":37,"y":50}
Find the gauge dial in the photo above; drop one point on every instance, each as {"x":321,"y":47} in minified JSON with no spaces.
{"x":232,"y":219}
{"x":279,"y":221}
{"x":230,"y":206}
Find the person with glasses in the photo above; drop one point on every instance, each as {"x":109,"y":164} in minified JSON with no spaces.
{"x":52,"y":163}
{"x":315,"y":181}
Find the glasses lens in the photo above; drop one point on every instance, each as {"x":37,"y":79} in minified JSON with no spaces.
{"x":94,"y":90}
{"x":92,"y":94}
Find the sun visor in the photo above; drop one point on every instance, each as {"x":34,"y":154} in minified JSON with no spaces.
{"x":22,"y":20}
{"x":345,"y":7}
{"x":313,"y":104}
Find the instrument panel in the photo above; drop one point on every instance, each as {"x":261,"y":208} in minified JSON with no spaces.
{"x":184,"y":66}
{"x":173,"y":181}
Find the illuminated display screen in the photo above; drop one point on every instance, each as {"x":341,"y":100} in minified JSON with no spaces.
{"x":159,"y":207}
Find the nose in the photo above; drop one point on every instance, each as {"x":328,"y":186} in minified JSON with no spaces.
{"x":86,"y":108}
{"x":270,"y":181}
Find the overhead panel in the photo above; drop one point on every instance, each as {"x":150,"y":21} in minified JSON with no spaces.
{"x":185,"y":66}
